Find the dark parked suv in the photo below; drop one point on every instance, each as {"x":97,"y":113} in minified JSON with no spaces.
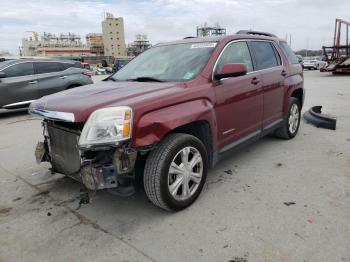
{"x":173,"y":112}
{"x":24,"y":80}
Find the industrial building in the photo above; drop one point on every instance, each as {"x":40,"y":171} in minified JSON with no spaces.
{"x":52,"y":45}
{"x":109,"y":43}
{"x":95,"y":42}
{"x":63,"y":51}
{"x":139,"y":45}
{"x":113,"y":36}
{"x":206,"y":30}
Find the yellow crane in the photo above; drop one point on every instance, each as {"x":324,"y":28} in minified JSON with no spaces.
{"x":35,"y":35}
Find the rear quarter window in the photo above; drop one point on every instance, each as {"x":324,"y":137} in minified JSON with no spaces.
{"x":292,"y":58}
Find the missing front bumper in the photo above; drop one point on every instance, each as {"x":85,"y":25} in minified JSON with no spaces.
{"x":96,"y":168}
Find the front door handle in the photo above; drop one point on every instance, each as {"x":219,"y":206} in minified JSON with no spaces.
{"x":32,"y":82}
{"x":255,"y":81}
{"x":63,"y":77}
{"x":283,"y":73}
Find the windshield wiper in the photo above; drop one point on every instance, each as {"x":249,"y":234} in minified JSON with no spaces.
{"x":147,"y":78}
{"x":110,"y":78}
{"x":137,"y":79}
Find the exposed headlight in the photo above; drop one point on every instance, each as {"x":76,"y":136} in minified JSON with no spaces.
{"x":107,"y":126}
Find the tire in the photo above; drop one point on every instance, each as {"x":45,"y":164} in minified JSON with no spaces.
{"x":159,"y":177}
{"x":289,"y":130}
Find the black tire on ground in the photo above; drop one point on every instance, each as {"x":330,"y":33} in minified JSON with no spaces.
{"x":156,"y":173}
{"x":284,"y":132}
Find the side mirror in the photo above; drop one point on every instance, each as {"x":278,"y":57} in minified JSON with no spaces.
{"x":231,"y":70}
{"x":2,"y":74}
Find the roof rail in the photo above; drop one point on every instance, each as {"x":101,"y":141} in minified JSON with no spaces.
{"x":250,"y":32}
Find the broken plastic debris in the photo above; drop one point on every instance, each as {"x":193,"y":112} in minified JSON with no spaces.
{"x":289,"y":203}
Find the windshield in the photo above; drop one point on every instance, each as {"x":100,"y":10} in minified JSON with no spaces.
{"x":177,"y":62}
{"x":5,"y":63}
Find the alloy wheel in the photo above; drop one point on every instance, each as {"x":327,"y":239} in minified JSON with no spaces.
{"x":185,"y":173}
{"x":293,"y":120}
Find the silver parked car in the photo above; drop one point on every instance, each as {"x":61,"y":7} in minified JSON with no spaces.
{"x":24,"y":80}
{"x":313,"y":62}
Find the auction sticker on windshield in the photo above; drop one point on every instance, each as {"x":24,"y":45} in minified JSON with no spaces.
{"x":203,"y":45}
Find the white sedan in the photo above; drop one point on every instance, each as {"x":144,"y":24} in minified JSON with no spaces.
{"x":314,"y":62}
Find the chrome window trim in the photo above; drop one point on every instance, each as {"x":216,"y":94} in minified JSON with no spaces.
{"x":18,"y":103}
{"x":247,"y":40}
{"x":54,"y":115}
{"x":22,"y":62}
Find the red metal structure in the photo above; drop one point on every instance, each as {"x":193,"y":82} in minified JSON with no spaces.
{"x":338,"y":55}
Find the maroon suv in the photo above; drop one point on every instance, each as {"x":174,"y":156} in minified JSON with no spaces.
{"x":172,"y":113}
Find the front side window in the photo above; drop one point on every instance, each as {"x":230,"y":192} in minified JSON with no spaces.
{"x":235,"y":53}
{"x":22,"y":69}
{"x":46,"y":67}
{"x":175,"y":62}
{"x":265,"y":55}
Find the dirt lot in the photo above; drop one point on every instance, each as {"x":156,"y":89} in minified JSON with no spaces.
{"x":240,"y":215}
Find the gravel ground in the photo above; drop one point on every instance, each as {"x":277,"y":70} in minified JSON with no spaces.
{"x":243,"y":213}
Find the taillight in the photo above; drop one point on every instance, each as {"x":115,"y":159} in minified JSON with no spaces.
{"x":87,"y":73}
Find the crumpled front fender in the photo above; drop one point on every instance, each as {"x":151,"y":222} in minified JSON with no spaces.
{"x":153,"y":126}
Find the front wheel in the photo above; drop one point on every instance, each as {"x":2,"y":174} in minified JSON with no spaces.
{"x":175,"y":172}
{"x":291,"y":123}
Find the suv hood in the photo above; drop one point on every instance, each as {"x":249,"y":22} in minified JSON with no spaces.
{"x":80,"y":102}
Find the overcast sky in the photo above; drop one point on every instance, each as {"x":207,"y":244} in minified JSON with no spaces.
{"x":310,"y":22}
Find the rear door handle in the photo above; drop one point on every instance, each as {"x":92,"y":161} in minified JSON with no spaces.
{"x":63,"y":77}
{"x":32,"y":82}
{"x":255,"y":81}
{"x":283,"y":73}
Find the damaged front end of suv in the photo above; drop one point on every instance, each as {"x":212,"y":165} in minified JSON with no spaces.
{"x":97,"y":153}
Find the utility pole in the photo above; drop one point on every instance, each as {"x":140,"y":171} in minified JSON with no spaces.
{"x":290,"y":41}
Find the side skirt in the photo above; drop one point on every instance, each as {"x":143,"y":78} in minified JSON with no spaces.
{"x":272,"y":127}
{"x":244,"y":141}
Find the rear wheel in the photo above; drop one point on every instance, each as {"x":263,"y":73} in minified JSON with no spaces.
{"x":291,"y":123}
{"x":175,"y":172}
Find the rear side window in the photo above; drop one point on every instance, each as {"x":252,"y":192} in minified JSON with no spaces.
{"x":77,"y":65}
{"x":292,"y":58}
{"x":235,"y":53}
{"x":65,"y":66}
{"x":22,"y":69}
{"x":265,"y":55}
{"x":46,"y":67}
